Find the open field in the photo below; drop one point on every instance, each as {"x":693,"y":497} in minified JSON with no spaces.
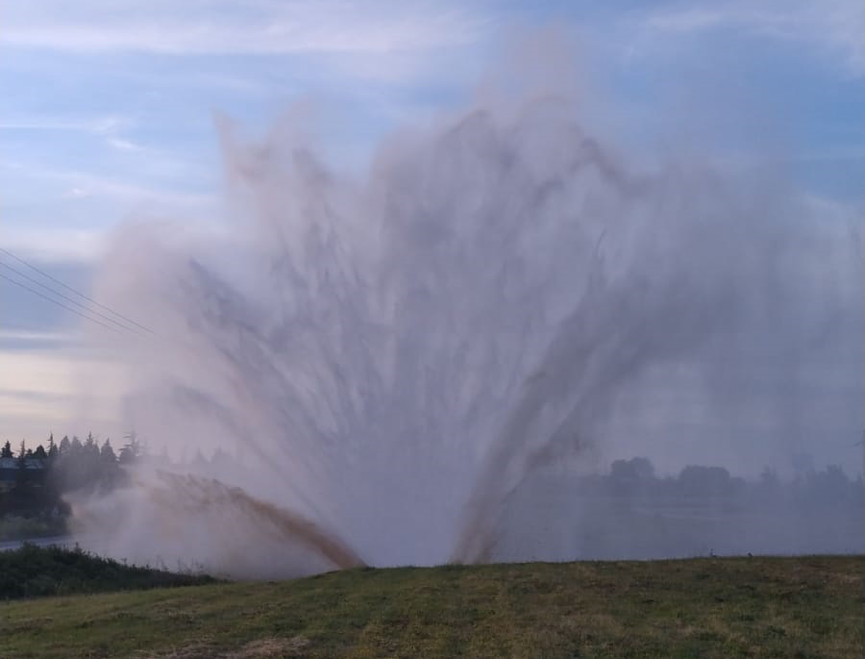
{"x":802,"y":607}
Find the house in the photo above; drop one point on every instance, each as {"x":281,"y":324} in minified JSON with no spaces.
{"x":9,"y":471}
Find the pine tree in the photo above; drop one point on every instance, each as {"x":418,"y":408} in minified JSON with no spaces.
{"x":107,"y":452}
{"x":53,"y":452}
{"x":21,"y":464}
{"x":6,"y":451}
{"x":132,"y":450}
{"x":90,"y":446}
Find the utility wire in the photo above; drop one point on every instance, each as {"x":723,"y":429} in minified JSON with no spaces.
{"x":78,"y":293}
{"x":69,"y":299}
{"x":59,"y":304}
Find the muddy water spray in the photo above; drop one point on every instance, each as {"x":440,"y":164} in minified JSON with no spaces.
{"x":386,"y":358}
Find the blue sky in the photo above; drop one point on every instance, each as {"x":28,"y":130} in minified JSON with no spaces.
{"x":109,"y":105}
{"x":107,"y":111}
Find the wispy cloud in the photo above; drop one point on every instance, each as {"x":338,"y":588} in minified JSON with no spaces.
{"x":105,"y":125}
{"x":110,"y":129}
{"x":35,"y":336}
{"x":41,"y":391}
{"x":90,"y":185}
{"x":835,"y":25}
{"x":124,"y":144}
{"x":55,"y":244}
{"x":240,"y":27}
{"x":101,"y":199}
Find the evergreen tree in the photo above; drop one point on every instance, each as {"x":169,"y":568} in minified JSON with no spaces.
{"x":132,"y":450}
{"x":6,"y":451}
{"x":65,"y":445}
{"x":107,"y":452}
{"x":21,"y":464}
{"x":90,"y":446}
{"x":40,"y":453}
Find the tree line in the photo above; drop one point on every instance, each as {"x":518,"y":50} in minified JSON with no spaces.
{"x":41,"y":476}
{"x":636,"y":478}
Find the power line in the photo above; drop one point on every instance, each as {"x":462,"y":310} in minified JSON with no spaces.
{"x":69,"y":299}
{"x":59,"y":304}
{"x":78,"y":293}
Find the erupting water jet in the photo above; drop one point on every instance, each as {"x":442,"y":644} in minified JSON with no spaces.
{"x":388,"y":357}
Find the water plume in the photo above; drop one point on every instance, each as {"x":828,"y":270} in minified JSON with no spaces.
{"x":386,"y":357}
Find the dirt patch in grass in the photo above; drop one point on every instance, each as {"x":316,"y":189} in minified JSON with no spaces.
{"x":263,"y":648}
{"x":272,"y":648}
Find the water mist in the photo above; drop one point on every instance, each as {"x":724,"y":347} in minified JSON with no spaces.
{"x":382,"y":359}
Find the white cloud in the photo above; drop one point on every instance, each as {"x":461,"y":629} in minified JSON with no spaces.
{"x":239,"y":27}
{"x":32,"y":335}
{"x":109,"y":128}
{"x":76,"y":193}
{"x":41,"y":391}
{"x":85,"y":205}
{"x":837,"y":26}
{"x":107,"y":125}
{"x":123,"y":144}
{"x":90,"y":185}
{"x":845,"y":23}
{"x":80,"y":185}
{"x":687,"y":20}
{"x":55,"y":244}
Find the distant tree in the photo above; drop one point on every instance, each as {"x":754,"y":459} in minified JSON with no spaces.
{"x":107,"y":452}
{"x":6,"y":451}
{"x":700,"y":481}
{"x":52,"y":447}
{"x":132,"y":450}
{"x":628,"y":476}
{"x":199,"y":460}
{"x":40,"y":453}
{"x":634,"y":469}
{"x":76,"y":467}
{"x":769,"y":479}
{"x":830,"y":486}
{"x":642,"y":469}
{"x":90,"y":447}
{"x":21,"y":464}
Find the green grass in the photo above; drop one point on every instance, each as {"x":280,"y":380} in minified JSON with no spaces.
{"x":33,"y":571}
{"x":790,"y":608}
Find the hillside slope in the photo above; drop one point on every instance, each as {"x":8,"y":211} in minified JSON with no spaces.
{"x":804,"y":607}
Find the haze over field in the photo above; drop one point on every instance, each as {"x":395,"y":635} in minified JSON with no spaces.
{"x":398,"y":342}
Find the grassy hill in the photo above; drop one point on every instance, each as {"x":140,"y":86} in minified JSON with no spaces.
{"x":789,"y":608}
